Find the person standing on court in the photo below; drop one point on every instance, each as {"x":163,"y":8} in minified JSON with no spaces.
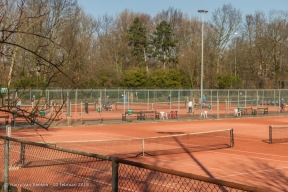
{"x":203,"y":101}
{"x":282,"y":105}
{"x":124,"y":99}
{"x":169,"y":99}
{"x":86,"y":107}
{"x":33,"y":101}
{"x":190,"y":105}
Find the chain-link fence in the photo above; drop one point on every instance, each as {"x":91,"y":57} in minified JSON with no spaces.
{"x":218,"y":103}
{"x":28,"y":166}
{"x":151,"y":95}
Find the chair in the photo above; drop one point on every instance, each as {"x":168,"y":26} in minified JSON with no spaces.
{"x":171,"y":115}
{"x":163,"y":115}
{"x":237,"y":113}
{"x":175,"y":114}
{"x":204,"y":114}
{"x":109,"y":107}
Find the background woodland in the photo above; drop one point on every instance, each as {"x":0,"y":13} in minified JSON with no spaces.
{"x":54,"y":43}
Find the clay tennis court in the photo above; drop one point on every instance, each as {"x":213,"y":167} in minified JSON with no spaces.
{"x":252,"y":160}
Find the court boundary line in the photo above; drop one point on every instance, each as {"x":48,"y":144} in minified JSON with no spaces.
{"x":224,"y":170}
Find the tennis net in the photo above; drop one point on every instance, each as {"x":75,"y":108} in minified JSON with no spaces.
{"x":278,"y":133}
{"x":27,"y":155}
{"x":161,"y":145}
{"x":81,"y":106}
{"x":126,"y":148}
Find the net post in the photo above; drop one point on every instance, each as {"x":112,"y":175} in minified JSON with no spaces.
{"x":270,"y":134}
{"x":232,"y":138}
{"x":143,"y":148}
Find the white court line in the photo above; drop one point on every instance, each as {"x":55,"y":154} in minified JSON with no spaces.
{"x":260,"y":158}
{"x":236,"y":173}
{"x":247,"y":173}
{"x":251,"y":131}
{"x":260,"y":171}
{"x":112,"y":136}
{"x":224,"y":126}
{"x":256,"y":140}
{"x":72,"y":134}
{"x":195,"y":127}
{"x":266,"y":159}
{"x":99,"y":149}
{"x":192,"y":165}
{"x":258,"y":153}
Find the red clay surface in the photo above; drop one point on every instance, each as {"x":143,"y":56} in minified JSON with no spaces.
{"x":252,"y":161}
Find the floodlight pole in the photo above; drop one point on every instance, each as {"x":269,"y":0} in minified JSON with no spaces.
{"x":202,"y":56}
{"x":235,"y":73}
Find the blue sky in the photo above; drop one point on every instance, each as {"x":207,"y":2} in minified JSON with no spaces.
{"x":113,"y":7}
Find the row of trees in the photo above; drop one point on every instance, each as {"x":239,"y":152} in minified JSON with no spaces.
{"x":54,"y":43}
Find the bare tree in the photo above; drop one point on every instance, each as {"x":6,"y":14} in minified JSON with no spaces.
{"x":277,"y":35}
{"x":266,"y":44}
{"x":189,"y":56}
{"x":225,"y":22}
{"x":26,"y":35}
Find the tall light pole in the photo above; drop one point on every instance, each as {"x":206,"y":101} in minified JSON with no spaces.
{"x":235,"y":55}
{"x":202,"y":70}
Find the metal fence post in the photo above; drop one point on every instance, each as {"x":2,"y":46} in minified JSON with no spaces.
{"x":218,"y":108}
{"x":22,"y":154}
{"x":68,"y":105}
{"x":178,"y":103}
{"x":115,"y":167}
{"x":148,"y":100}
{"x":279,"y":100}
{"x":6,"y":165}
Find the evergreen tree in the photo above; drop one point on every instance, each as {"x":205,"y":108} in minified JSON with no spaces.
{"x":163,"y":45}
{"x":138,"y":43}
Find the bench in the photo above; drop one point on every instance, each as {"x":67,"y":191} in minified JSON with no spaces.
{"x":138,"y":114}
{"x":245,"y":110}
{"x":150,"y":113}
{"x":107,"y":107}
{"x":20,"y":113}
{"x":42,"y":113}
{"x":264,"y":109}
{"x":173,"y":115}
{"x":141,"y":115}
{"x":6,"y":117}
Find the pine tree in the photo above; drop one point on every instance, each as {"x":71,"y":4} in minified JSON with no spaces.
{"x":163,"y":45}
{"x":138,"y":43}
